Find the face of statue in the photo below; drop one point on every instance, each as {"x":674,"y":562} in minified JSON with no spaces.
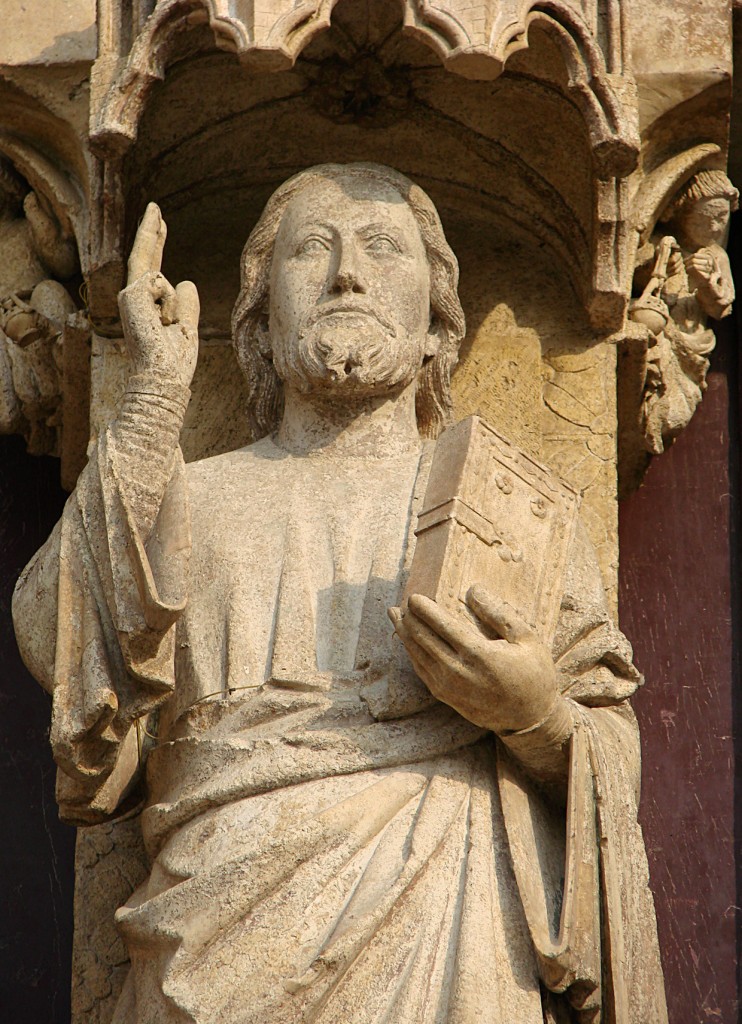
{"x":349,"y":291}
{"x":706,"y":221}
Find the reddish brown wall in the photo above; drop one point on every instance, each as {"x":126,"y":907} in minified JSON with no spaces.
{"x":680,"y":607}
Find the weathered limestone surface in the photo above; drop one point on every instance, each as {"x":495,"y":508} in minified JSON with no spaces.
{"x":39,"y":33}
{"x":557,"y":142}
{"x":33,"y":313}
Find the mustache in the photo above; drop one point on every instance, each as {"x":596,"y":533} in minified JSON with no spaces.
{"x":320,"y":312}
{"x":362,"y":355}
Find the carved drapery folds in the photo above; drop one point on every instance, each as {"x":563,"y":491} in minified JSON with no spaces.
{"x":572,"y":187}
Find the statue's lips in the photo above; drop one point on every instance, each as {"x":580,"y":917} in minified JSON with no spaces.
{"x":346,"y":310}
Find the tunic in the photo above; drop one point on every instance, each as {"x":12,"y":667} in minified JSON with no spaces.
{"x":329,"y":843}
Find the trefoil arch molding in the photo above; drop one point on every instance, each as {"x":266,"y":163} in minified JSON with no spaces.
{"x":474,"y":41}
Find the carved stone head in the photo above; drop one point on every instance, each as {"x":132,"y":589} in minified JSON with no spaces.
{"x":700,"y":211}
{"x":349,"y":287}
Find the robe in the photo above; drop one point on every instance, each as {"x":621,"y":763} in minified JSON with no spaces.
{"x":328,"y":842}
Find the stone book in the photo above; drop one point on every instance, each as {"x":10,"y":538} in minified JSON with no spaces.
{"x":495,"y":517}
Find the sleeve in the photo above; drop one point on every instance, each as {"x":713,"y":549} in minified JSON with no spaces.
{"x":95,"y":615}
{"x":582,"y":873}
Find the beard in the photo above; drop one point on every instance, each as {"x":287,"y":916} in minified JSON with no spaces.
{"x":351,"y":351}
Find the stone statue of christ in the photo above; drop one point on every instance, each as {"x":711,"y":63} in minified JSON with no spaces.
{"x":422,"y":821}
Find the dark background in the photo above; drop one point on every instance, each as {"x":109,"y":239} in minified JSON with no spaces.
{"x":36,"y":851}
{"x":680,"y":606}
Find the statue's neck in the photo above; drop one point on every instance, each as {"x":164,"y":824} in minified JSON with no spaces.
{"x":349,"y":426}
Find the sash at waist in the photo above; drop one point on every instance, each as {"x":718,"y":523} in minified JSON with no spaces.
{"x":227,"y":750}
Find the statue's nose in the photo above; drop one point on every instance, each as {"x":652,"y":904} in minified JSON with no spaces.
{"x":346,"y":275}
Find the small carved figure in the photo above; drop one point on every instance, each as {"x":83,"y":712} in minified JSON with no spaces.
{"x":33,"y":309}
{"x":690,"y":280}
{"x":346,"y":822}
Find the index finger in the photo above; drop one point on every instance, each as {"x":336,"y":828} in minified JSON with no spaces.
{"x":146,"y":252}
{"x":456,"y":632}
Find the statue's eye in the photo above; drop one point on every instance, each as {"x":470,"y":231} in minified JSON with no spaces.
{"x":381,"y":244}
{"x":312,"y":244}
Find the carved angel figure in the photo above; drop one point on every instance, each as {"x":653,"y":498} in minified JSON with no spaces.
{"x":346,"y":821}
{"x":689,"y":280}
{"x":33,"y":308}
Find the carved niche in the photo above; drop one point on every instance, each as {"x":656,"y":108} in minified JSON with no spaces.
{"x":523,"y":122}
{"x":476,"y":41}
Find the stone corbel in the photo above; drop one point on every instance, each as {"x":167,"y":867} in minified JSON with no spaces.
{"x":664,"y":355}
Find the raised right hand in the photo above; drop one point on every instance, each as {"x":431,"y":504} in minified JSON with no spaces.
{"x":160,"y":322}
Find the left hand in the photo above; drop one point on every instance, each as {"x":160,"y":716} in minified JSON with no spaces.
{"x":500,"y":676}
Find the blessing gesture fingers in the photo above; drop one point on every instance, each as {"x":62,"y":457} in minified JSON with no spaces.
{"x":496,"y":672}
{"x":160,"y":322}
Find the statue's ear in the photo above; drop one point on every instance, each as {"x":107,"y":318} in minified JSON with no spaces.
{"x":435,"y":337}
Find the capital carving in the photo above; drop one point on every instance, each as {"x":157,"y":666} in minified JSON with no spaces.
{"x":682,"y":279}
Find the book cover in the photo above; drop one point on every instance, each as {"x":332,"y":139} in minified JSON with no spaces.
{"x":494,"y":517}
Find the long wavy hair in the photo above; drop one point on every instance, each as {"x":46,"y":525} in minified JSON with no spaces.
{"x":250,"y":335}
